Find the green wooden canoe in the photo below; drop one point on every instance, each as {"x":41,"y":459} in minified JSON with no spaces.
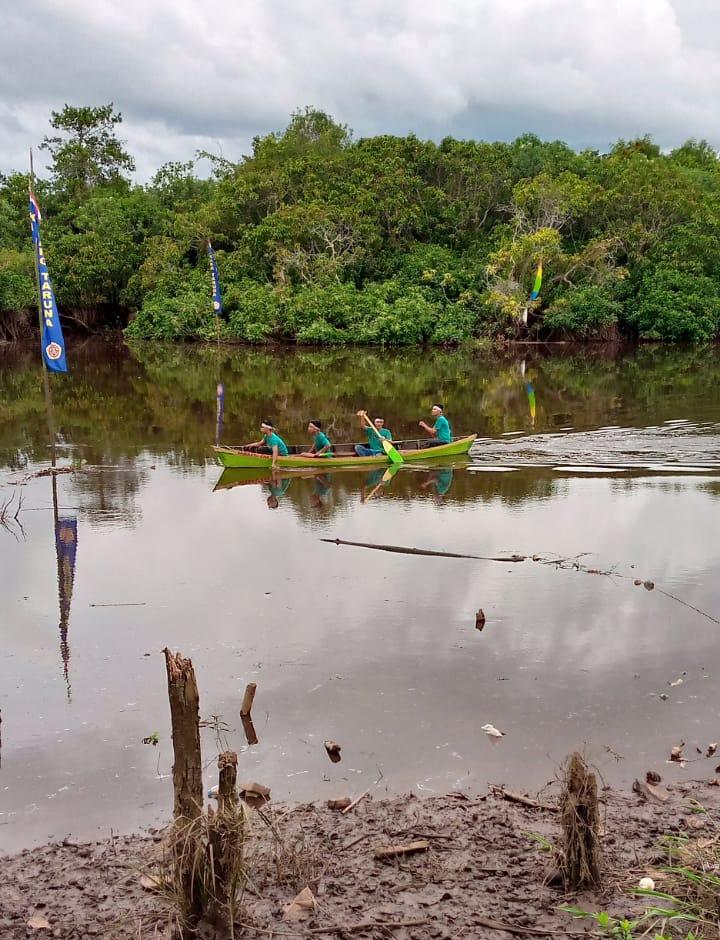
{"x":343,"y":456}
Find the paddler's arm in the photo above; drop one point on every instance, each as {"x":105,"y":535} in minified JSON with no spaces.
{"x":426,"y":427}
{"x":274,"y":456}
{"x":254,"y":444}
{"x":323,"y":450}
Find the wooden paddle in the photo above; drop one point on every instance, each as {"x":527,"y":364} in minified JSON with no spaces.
{"x":386,"y":445}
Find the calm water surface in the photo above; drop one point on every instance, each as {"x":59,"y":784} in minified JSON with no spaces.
{"x":618,"y":457}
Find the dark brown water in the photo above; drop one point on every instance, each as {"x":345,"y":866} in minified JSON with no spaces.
{"x":619,"y":458}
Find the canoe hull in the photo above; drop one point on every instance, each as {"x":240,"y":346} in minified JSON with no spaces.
{"x":237,"y":458}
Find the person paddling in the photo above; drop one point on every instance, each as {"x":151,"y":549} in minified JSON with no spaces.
{"x":269,"y":443}
{"x":441,"y":432}
{"x":321,"y":446}
{"x":374,"y":446}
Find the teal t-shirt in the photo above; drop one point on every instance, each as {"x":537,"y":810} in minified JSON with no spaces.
{"x":444,"y":431}
{"x":322,"y":440}
{"x":274,"y":440}
{"x":373,"y":441}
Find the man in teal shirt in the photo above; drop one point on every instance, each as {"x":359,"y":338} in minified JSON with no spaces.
{"x":270,"y":443}
{"x":374,"y":447}
{"x":321,"y":446}
{"x":441,"y":432}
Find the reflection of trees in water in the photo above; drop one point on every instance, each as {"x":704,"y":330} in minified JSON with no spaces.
{"x":109,"y":496}
{"x":117,"y":402}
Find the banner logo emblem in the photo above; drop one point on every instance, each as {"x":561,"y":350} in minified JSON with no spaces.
{"x":53,"y":351}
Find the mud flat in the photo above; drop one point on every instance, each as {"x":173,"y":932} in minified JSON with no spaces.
{"x":479,"y":869}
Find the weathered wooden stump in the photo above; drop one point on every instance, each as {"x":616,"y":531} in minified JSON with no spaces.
{"x":187,"y":785}
{"x":580,"y":819}
{"x":226,"y":838}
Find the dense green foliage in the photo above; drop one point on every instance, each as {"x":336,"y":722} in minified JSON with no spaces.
{"x":395,"y":241}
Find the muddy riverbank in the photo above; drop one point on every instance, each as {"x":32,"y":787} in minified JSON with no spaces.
{"x":484,"y":873}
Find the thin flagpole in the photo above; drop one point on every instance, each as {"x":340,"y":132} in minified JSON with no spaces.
{"x":46,"y":378}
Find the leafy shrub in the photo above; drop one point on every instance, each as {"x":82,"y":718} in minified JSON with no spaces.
{"x":254,"y":311}
{"x":583,"y":312}
{"x":674,"y":305}
{"x":187,"y":316}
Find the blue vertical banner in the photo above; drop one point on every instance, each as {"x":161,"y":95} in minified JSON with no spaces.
{"x":52,"y":342}
{"x":216,"y":293}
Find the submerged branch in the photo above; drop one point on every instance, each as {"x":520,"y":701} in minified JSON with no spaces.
{"x":571,"y":563}
{"x":402,"y":550}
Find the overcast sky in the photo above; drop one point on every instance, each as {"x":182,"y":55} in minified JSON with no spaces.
{"x":190,"y":74}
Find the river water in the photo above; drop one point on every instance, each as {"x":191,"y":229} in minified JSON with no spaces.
{"x":614,"y":456}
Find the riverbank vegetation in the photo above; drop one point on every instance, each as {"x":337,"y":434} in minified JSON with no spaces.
{"x":326,"y":239}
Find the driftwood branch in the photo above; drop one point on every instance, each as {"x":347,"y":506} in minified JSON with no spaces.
{"x":522,"y":800}
{"x":402,"y":550}
{"x":570,"y":563}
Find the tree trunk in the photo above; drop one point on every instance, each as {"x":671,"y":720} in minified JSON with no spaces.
{"x":187,"y":844}
{"x":185,"y":718}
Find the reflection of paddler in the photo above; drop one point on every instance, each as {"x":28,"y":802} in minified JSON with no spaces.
{"x":321,"y":487}
{"x":372,"y":479}
{"x":440,"y":480}
{"x":278,"y":488}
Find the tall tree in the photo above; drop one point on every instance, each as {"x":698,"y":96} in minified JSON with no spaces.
{"x":88,"y":154}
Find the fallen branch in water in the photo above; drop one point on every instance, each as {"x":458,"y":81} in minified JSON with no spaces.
{"x":570,"y":563}
{"x":9,"y":516}
{"x":402,"y":550}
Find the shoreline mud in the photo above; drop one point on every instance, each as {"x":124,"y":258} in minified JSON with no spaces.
{"x":483,"y":869}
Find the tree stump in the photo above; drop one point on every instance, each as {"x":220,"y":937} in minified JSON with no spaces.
{"x":186,"y":841}
{"x":226,"y":838}
{"x":580,"y":819}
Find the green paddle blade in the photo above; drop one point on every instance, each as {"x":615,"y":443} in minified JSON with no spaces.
{"x":390,"y":451}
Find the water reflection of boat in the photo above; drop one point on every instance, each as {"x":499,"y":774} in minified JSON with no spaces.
{"x":344,"y":455}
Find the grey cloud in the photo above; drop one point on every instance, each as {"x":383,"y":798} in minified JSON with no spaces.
{"x":187,"y":75}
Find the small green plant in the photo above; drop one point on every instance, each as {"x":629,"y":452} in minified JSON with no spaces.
{"x":544,"y":845}
{"x":153,"y":739}
{"x":610,"y":926}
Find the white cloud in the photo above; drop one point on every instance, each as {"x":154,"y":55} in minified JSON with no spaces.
{"x":188,"y":75}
